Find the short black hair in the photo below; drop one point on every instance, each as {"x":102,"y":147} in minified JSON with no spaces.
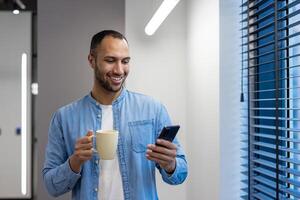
{"x":98,"y":37}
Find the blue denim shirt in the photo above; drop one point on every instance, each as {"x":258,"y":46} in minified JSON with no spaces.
{"x":138,"y":118}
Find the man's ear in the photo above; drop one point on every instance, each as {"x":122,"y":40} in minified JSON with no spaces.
{"x":92,"y":61}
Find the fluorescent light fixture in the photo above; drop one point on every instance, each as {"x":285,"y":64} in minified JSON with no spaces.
{"x":20,"y":4}
{"x":160,"y":15}
{"x":24,"y":125}
{"x":16,"y":11}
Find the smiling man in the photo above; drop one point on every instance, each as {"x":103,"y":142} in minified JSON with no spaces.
{"x":70,"y":163}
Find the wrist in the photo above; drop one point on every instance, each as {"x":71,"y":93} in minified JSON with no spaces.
{"x":75,"y":164}
{"x":171,"y":168}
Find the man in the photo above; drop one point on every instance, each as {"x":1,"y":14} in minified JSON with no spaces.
{"x":70,"y":163}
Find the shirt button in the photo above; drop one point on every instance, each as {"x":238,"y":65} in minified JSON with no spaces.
{"x":98,"y":116}
{"x":96,"y":189}
{"x":96,"y":161}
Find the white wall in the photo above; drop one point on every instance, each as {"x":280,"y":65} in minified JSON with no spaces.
{"x":230,"y":64}
{"x":203,"y":99}
{"x":158,"y":67}
{"x":194,"y":57}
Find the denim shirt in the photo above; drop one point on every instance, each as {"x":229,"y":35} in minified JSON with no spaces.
{"x":138,"y":118}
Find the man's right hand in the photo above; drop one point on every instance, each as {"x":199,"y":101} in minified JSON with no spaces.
{"x":83,"y":152}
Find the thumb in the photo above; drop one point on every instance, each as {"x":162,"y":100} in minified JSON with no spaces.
{"x":89,"y":133}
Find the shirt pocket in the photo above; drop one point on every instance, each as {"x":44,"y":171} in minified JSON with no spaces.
{"x":141,"y":133}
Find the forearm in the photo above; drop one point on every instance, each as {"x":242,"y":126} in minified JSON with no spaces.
{"x":75,"y":164}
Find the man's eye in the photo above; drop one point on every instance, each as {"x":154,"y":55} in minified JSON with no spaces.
{"x":109,"y":61}
{"x":125,"y":61}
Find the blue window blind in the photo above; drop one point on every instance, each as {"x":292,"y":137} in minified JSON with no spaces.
{"x":270,"y":100}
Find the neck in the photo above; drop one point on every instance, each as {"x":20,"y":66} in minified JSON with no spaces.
{"x":103,"y":96}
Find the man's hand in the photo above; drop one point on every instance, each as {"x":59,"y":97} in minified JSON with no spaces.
{"x":164,"y":154}
{"x":83,"y":152}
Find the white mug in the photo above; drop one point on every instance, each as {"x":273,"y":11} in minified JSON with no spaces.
{"x":106,"y":143}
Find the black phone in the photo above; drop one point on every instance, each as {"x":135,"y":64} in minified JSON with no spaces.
{"x":169,"y":132}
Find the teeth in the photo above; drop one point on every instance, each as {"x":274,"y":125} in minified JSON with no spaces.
{"x":116,"y":78}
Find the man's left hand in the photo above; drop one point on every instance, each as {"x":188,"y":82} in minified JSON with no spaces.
{"x":164,"y":153}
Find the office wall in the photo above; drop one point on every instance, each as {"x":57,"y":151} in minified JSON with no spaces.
{"x":203,"y":92}
{"x":213,"y":103}
{"x":186,"y":65}
{"x":64,"y":32}
{"x":15,"y":39}
{"x":158,"y":68}
{"x":230,"y":64}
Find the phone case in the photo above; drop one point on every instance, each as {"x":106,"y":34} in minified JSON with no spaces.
{"x":169,"y":132}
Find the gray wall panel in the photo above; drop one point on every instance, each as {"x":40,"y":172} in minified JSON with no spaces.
{"x":15,"y":39}
{"x":64,"y":31}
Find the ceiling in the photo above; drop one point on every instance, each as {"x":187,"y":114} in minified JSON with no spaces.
{"x":9,"y":4}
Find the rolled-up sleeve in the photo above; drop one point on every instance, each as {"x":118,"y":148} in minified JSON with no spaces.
{"x":57,"y":175}
{"x":181,"y":170}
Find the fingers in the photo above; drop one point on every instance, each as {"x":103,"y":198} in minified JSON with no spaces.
{"x":161,"y":152}
{"x":157,"y":160}
{"x":159,"y":156}
{"x":86,"y":139}
{"x":84,"y":143}
{"x":154,"y":149}
{"x":166,"y":144}
{"x":90,"y":133}
{"x":166,"y":162}
{"x":164,"y":153}
{"x":84,"y":153}
{"x":83,"y":146}
{"x":164,"y":147}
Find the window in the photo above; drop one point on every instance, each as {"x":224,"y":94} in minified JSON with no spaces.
{"x":270,"y":107}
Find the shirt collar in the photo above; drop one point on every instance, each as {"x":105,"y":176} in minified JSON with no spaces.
{"x":116,"y":101}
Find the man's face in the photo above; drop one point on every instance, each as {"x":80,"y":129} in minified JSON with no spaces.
{"x":110,"y":61}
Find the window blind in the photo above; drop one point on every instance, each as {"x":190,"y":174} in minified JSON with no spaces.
{"x":270,"y":99}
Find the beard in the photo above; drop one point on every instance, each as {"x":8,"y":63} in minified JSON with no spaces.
{"x":104,"y":83}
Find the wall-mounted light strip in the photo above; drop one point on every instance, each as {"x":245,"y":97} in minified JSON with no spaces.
{"x":160,"y":15}
{"x":24,"y":126}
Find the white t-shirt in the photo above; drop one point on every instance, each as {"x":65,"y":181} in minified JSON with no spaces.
{"x":110,"y":181}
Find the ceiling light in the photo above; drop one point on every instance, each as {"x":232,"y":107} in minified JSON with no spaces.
{"x":160,"y":15}
{"x":16,"y":11}
{"x":20,"y":4}
{"x":17,"y":5}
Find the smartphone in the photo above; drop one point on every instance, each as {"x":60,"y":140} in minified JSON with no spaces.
{"x":169,"y":132}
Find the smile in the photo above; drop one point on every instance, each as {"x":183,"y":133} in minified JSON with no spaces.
{"x":116,"y":80}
